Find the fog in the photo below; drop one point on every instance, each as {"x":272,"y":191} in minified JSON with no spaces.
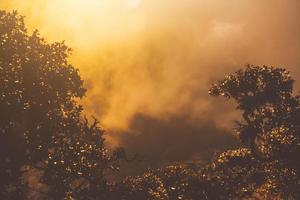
{"x":148,"y":64}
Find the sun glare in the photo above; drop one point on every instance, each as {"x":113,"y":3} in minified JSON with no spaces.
{"x":133,"y":3}
{"x":90,"y":21}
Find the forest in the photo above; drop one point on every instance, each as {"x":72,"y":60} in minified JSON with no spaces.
{"x":50,"y":149}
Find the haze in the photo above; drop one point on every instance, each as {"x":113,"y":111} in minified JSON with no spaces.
{"x":148,"y":63}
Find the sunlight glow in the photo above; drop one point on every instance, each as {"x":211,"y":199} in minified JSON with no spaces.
{"x":90,"y":21}
{"x":133,"y":3}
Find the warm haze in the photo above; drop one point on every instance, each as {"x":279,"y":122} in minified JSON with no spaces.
{"x":124,"y":99}
{"x":148,"y":63}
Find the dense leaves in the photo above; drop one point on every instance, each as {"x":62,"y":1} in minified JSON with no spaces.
{"x":171,"y":182}
{"x":41,"y":128}
{"x":270,"y":125}
{"x":49,"y":150}
{"x":267,"y":168}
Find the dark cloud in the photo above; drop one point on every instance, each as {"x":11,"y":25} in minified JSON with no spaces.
{"x":157,"y":142}
{"x":175,"y":138}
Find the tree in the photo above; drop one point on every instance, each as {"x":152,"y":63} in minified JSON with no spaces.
{"x":41,"y":120}
{"x":266,"y":168}
{"x":77,"y":162}
{"x":175,"y":181}
{"x":270,"y":129}
{"x":270,"y":125}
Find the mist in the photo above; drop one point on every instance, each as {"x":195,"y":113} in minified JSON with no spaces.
{"x":148,"y":64}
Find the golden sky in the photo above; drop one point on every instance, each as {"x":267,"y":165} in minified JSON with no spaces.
{"x":158,"y":57}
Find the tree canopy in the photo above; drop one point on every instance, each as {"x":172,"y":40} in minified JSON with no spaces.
{"x":271,"y":111}
{"x":41,"y":122}
{"x":49,"y":150}
{"x":267,"y":167}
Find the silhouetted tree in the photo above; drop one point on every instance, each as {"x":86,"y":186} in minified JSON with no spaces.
{"x":41,"y":127}
{"x":165,"y":183}
{"x":49,"y":150}
{"x":270,"y":129}
{"x":266,"y":168}
{"x":77,"y":161}
{"x":270,"y":125}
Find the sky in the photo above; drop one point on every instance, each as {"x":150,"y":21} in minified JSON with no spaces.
{"x":148,"y":64}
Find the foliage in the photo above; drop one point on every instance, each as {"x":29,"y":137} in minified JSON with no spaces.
{"x":41,"y":126}
{"x":270,"y":125}
{"x":171,"y":182}
{"x":48,"y":150}
{"x":266,"y":168}
{"x":270,"y":128}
